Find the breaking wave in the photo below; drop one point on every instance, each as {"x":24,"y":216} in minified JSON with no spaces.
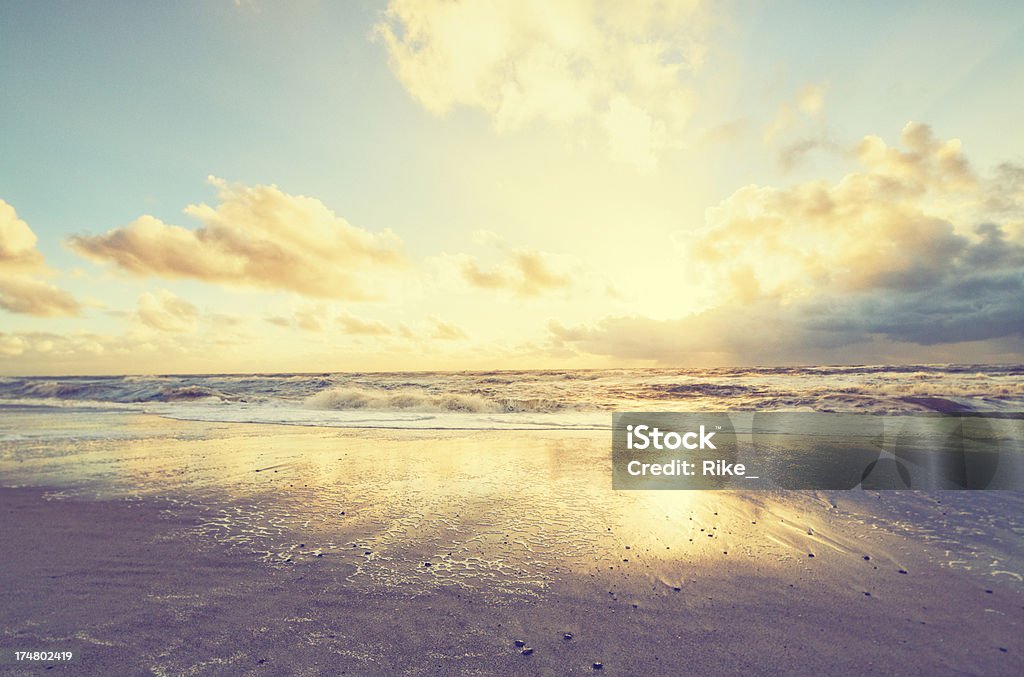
{"x":343,"y":399}
{"x":527,"y":399}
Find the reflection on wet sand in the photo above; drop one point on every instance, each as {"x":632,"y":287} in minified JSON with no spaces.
{"x":490,"y":527}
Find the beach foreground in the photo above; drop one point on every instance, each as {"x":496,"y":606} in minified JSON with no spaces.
{"x":209,"y":548}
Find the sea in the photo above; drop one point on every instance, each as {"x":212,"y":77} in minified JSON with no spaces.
{"x":121,"y":437}
{"x":526,"y":400}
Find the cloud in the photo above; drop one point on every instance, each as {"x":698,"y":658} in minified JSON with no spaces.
{"x":527,"y":274}
{"x":309,"y":318}
{"x":21,"y":267}
{"x":256,"y":236}
{"x":621,"y":66}
{"x":312,"y":318}
{"x":1005,"y":196}
{"x":904,"y":250}
{"x":445,"y":331}
{"x":166,"y":312}
{"x":634,"y":136}
{"x":727,"y":132}
{"x":926,"y":164}
{"x":24,"y":294}
{"x":12,"y":345}
{"x":807,"y":106}
{"x":47,"y":352}
{"x":811,"y":99}
{"x":799,"y":126}
{"x":17,"y":241}
{"x":890,"y":225}
{"x":794,"y":153}
{"x":47,"y":346}
{"x":351,"y":324}
{"x":757,"y":332}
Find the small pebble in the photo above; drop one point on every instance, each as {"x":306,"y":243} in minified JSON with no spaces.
{"x":520,"y":643}
{"x":527,"y":651}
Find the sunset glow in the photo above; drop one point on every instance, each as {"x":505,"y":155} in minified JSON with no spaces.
{"x":261,"y":186}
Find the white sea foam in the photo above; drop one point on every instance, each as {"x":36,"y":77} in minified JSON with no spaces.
{"x":529,"y":399}
{"x":399,"y":400}
{"x":406,"y":399}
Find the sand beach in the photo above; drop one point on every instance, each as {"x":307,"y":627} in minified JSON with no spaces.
{"x":181,"y":547}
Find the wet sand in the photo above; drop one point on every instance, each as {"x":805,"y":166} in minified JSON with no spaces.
{"x":185,"y":548}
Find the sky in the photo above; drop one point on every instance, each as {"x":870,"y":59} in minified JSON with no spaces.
{"x":261,"y":186}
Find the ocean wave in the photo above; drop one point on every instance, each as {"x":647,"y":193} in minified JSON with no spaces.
{"x":61,"y":390}
{"x":341,"y":399}
{"x":671,"y":392}
{"x":109,"y":389}
{"x":874,"y":389}
{"x":179,"y":393}
{"x":987,"y":389}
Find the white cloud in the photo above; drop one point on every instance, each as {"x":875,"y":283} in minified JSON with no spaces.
{"x":21,"y":293}
{"x":166,"y":312}
{"x":620,"y":65}
{"x":256,"y":236}
{"x":351,"y":324}
{"x":17,"y":241}
{"x":528,"y":273}
{"x":445,"y":331}
{"x":807,"y":106}
{"x":12,"y":345}
{"x":904,"y":250}
{"x":21,"y":267}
